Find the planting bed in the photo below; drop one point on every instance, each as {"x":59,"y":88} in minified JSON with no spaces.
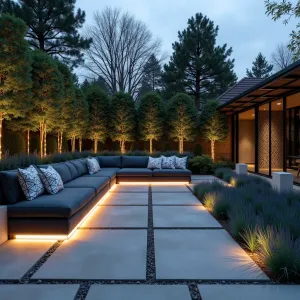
{"x":264,"y":222}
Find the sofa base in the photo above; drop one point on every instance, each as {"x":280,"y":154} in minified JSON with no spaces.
{"x":52,"y":226}
{"x":185,"y":179}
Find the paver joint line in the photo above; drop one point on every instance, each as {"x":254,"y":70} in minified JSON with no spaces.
{"x":82,"y":291}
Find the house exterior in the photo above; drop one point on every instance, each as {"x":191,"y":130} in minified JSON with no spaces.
{"x":264,"y":117}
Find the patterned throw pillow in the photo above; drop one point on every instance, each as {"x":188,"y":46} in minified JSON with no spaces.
{"x":180,"y":162}
{"x":168,"y":162}
{"x":51,"y":180}
{"x":93,"y":165}
{"x":30,"y":182}
{"x":154,"y":163}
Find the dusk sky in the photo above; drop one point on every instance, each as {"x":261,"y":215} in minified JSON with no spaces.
{"x":243,"y":24}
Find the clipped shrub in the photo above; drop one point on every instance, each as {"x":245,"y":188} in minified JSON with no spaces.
{"x":201,"y":165}
{"x":19,"y":161}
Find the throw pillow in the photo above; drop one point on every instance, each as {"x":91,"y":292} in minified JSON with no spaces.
{"x":180,"y":162}
{"x":93,"y":165}
{"x":51,"y":180}
{"x":168,"y":162}
{"x":30,"y":182}
{"x":154,"y":163}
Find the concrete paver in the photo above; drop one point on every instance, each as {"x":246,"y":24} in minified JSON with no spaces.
{"x":174,"y":199}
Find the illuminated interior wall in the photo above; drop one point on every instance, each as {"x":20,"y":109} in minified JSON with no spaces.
{"x":277,"y":136}
{"x":263,"y":140}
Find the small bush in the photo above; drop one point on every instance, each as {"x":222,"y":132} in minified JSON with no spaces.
{"x":201,"y":189}
{"x":201,"y":165}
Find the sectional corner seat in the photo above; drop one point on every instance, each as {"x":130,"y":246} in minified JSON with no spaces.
{"x":59,"y":214}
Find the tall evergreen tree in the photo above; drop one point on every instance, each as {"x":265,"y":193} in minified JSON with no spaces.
{"x":260,"y":68}
{"x":182,"y":119}
{"x":15,"y":68}
{"x":99,"y":82}
{"x":151,"y":118}
{"x":65,"y":113}
{"x":214,"y":125}
{"x":52,"y":26}
{"x":99,"y":112}
{"x":151,"y":81}
{"x":47,"y":92}
{"x":123,"y":121}
{"x":197,"y":64}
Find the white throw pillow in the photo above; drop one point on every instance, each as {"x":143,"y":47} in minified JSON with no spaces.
{"x":180,"y":162}
{"x":30,"y":182}
{"x":51,"y":180}
{"x":93,"y":165}
{"x":154,"y":163}
{"x":168,"y":162}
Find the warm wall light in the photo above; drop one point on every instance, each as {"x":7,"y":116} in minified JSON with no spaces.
{"x":279,"y":103}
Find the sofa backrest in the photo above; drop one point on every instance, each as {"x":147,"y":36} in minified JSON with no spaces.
{"x":80,"y":165}
{"x":135,"y":161}
{"x":110,"y":161}
{"x":74,"y":173}
{"x":63,"y":170}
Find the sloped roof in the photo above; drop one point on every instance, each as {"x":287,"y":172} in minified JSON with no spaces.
{"x":240,"y":87}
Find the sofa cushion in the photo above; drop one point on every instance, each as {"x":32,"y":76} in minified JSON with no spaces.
{"x":89,"y":182}
{"x":104,"y":173}
{"x":109,"y":161}
{"x":61,"y":205}
{"x":63,"y":170}
{"x":79,"y":166}
{"x":181,"y":162}
{"x":73,"y":170}
{"x":135,"y":161}
{"x":135,"y":172}
{"x":10,"y":187}
{"x":171,"y":172}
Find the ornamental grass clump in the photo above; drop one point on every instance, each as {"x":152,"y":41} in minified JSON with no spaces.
{"x":280,"y":252}
{"x":201,"y":189}
{"x":249,"y":237}
{"x":221,"y":172}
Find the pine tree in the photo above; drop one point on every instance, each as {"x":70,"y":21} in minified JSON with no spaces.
{"x":47,"y":93}
{"x":65,"y":114}
{"x":15,"y":68}
{"x":52,"y":26}
{"x":197,"y":65}
{"x":99,"y":112}
{"x":261,"y":68}
{"x":214,"y":125}
{"x":182,"y":119}
{"x":151,"y":118}
{"x":123,"y":121}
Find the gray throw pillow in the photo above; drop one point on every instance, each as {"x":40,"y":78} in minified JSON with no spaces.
{"x":51,"y":180}
{"x":30,"y":182}
{"x":154,"y":163}
{"x":168,"y":162}
{"x":180,"y":162}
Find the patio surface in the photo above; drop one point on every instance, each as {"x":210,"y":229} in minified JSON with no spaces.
{"x":142,"y":242}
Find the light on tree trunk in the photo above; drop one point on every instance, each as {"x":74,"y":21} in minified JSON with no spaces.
{"x":212,"y":142}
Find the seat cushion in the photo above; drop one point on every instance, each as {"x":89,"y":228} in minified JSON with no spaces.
{"x":104,"y":173}
{"x":61,"y":205}
{"x":135,"y":161}
{"x":109,"y":161}
{"x":171,"y":172}
{"x":89,"y":182}
{"x":135,"y":172}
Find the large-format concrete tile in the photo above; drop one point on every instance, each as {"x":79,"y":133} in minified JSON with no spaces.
{"x":169,"y":188}
{"x":128,"y":188}
{"x":202,"y":254}
{"x":126,"y":199}
{"x":99,"y":254}
{"x":17,"y":257}
{"x":138,"y":292}
{"x":118,"y":216}
{"x":174,"y":199}
{"x":38,"y":292}
{"x":249,"y":292}
{"x":183,"y":216}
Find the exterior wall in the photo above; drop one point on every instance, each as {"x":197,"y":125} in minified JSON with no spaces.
{"x":246,"y":142}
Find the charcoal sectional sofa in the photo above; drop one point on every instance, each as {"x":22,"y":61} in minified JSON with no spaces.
{"x":59,"y":214}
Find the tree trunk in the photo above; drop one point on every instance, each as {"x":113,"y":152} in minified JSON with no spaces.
{"x":73,"y":143}
{"x":28,"y":141}
{"x":95,"y":145}
{"x":212,"y":143}
{"x":80,"y":144}
{"x":58,"y":141}
{"x":41,"y":138}
{"x":122,"y":146}
{"x":1,"y":121}
{"x":45,"y":140}
{"x":180,"y":145}
{"x":150,"y":146}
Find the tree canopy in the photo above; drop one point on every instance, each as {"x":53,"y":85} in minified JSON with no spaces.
{"x":52,"y":26}
{"x":197,"y":65}
{"x":260,"y":68}
{"x":182,"y":119}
